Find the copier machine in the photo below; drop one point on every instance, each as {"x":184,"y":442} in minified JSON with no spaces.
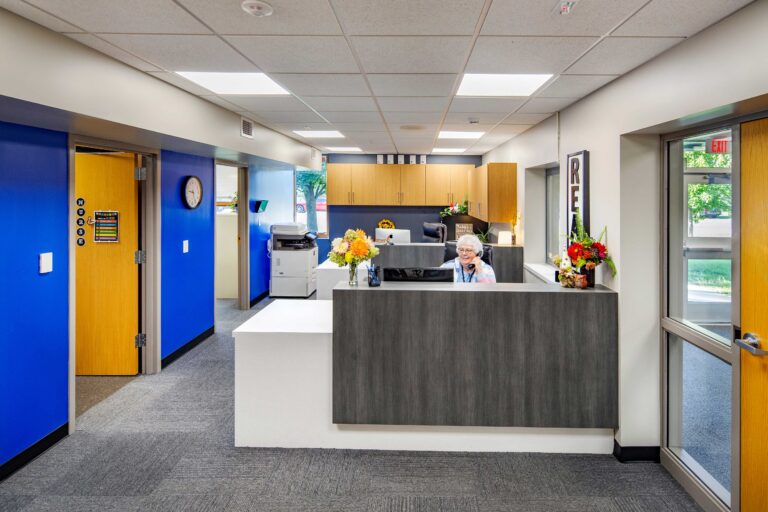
{"x":294,"y":261}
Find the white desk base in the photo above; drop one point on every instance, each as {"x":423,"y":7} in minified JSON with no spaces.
{"x":330,"y":274}
{"x":283,"y":371}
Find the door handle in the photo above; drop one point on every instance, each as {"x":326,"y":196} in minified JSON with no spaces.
{"x":751,"y":344}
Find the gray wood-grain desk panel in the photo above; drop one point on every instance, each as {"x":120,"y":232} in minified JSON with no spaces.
{"x":527,"y":355}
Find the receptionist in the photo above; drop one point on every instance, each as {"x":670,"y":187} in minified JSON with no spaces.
{"x":467,"y":266}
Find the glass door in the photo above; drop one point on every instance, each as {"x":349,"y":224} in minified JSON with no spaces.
{"x":699,"y":308}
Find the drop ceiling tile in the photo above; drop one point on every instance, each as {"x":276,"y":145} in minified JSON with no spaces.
{"x":267,"y":103}
{"x":290,"y":117}
{"x":505,"y":105}
{"x":481,"y":117}
{"x":508,"y":130}
{"x":376,"y":149}
{"x":539,"y":18}
{"x":545,"y":105}
{"x":116,"y":16}
{"x":401,"y":54}
{"x":113,"y":51}
{"x":378,"y":126}
{"x":303,"y":84}
{"x":405,"y":17}
{"x":466,"y":127}
{"x":352,"y":117}
{"x":405,"y":139}
{"x":297,"y":54}
{"x":678,"y":18}
{"x":369,"y":138}
{"x":617,"y":55}
{"x":412,"y":84}
{"x":417,"y":130}
{"x":182,"y":83}
{"x":412,"y":117}
{"x":39,"y":16}
{"x":183,"y":52}
{"x":525,"y":118}
{"x":574,"y":86}
{"x":290,"y":17}
{"x":414,"y":149}
{"x":341,"y":104}
{"x":305,"y":126}
{"x":526,"y":54}
{"x":412,"y":104}
{"x":227,"y":105}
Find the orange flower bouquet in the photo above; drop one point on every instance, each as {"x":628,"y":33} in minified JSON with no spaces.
{"x":352,"y":249}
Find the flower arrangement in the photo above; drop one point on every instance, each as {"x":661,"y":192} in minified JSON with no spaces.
{"x":454,"y":209}
{"x":352,"y":249}
{"x":583,"y":252}
{"x":386,"y":224}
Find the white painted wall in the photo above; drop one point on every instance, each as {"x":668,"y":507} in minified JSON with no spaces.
{"x":43,"y":67}
{"x":711,"y":71}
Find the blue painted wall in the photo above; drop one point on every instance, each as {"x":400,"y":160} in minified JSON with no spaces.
{"x":187,"y":279}
{"x":275,"y":184}
{"x":33,"y":308}
{"x":341,"y":218}
{"x":342,"y":158}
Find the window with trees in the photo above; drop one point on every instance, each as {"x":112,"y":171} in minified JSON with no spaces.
{"x":311,"y":203}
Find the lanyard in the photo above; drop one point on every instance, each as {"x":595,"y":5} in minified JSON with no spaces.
{"x":463,"y":280}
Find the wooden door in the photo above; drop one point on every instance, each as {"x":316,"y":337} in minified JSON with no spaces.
{"x":412,"y":184}
{"x":387,"y":184}
{"x":363,"y":179}
{"x":338,"y":184}
{"x":438,"y":184}
{"x":460,"y":183}
{"x":107,"y":278}
{"x":754,"y":290}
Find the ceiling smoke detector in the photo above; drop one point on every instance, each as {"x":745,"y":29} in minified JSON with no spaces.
{"x":257,"y":8}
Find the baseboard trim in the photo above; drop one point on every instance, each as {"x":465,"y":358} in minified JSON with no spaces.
{"x":186,"y":347}
{"x":259,"y":297}
{"x":25,"y":457}
{"x":636,"y":453}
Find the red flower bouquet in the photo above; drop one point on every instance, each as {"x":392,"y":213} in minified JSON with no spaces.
{"x":584,"y":251}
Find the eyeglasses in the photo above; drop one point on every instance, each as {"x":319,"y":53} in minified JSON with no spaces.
{"x":465,"y":250}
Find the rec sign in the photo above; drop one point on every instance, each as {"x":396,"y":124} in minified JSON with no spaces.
{"x":577,"y":193}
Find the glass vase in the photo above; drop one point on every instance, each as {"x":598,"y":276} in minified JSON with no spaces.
{"x":353,"y":274}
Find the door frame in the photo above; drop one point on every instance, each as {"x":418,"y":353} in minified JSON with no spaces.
{"x":149,"y":280}
{"x":243,"y":234}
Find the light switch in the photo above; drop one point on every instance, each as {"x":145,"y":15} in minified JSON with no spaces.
{"x":46,"y":262}
{"x":185,"y":246}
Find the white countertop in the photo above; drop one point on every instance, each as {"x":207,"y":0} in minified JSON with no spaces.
{"x":291,"y":316}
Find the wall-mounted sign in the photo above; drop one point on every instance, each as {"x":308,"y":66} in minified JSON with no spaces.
{"x":401,"y":159}
{"x":463,"y":229}
{"x":80,"y":201}
{"x":81,"y":242}
{"x":80,"y":212}
{"x":423,"y":159}
{"x":577,"y":191}
{"x":379,"y":159}
{"x":105,"y":226}
{"x":719,"y":146}
{"x":81,"y":222}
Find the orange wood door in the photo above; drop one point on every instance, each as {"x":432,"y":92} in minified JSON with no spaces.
{"x":338,"y":184}
{"x":754,"y":319}
{"x":387,"y":184}
{"x":412,"y":184}
{"x":438,"y":184}
{"x":363,"y":179}
{"x":107,"y":278}
{"x":460,"y":182}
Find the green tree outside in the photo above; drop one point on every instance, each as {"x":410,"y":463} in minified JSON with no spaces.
{"x":311,"y":185}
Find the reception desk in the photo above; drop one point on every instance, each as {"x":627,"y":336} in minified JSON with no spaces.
{"x":460,"y":354}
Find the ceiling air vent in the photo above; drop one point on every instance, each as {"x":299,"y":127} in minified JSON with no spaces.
{"x":246,"y":128}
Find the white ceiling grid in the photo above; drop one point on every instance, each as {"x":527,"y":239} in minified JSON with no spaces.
{"x":385,"y":73}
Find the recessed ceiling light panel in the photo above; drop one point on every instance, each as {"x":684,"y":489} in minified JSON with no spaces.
{"x":448,"y":150}
{"x":459,"y":135}
{"x":257,"y":8}
{"x":500,"y":85}
{"x":319,"y":134}
{"x":234,"y":83}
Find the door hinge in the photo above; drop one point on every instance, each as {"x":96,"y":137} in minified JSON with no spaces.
{"x":140,"y":257}
{"x":140,"y":173}
{"x":140,"y":340}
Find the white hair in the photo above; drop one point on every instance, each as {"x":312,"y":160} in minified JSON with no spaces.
{"x":472,"y":241}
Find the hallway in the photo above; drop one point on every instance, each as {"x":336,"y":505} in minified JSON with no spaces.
{"x":165,"y":442}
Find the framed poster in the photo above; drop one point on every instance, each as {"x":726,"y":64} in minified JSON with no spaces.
{"x":577,"y":190}
{"x":463,"y":229}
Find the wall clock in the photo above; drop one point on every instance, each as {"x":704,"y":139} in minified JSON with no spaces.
{"x":193,"y":192}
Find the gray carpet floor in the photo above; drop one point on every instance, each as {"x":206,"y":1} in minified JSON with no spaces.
{"x":165,"y":442}
{"x":90,"y":390}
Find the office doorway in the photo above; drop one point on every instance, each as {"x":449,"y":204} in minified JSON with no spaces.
{"x":112,"y":313}
{"x":231,"y":272}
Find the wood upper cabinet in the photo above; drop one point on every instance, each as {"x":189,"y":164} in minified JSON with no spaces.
{"x":387,"y":184}
{"x":338,"y":184}
{"x":460,"y":182}
{"x":412,"y":184}
{"x":493,"y":192}
{"x":447,"y":183}
{"x":363,"y":183}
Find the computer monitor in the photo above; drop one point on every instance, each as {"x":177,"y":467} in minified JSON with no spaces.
{"x":398,"y":236}
{"x":430,"y":274}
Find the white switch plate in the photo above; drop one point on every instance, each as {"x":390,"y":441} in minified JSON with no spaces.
{"x":46,"y":262}
{"x":185,"y":246}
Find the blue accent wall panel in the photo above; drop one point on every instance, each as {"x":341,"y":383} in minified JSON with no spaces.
{"x":187,"y":279}
{"x":33,"y":306}
{"x":341,"y":218}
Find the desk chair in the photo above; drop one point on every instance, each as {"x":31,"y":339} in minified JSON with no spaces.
{"x":435,"y":232}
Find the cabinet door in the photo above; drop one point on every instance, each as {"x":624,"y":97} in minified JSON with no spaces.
{"x":438,"y":184}
{"x":502,"y":193}
{"x":478,"y":193}
{"x":460,"y":182}
{"x":412,"y":184}
{"x":363,"y":178}
{"x":387,"y":184}
{"x":338,"y":185}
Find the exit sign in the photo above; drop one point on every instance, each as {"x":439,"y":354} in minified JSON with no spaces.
{"x":719,"y":146}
